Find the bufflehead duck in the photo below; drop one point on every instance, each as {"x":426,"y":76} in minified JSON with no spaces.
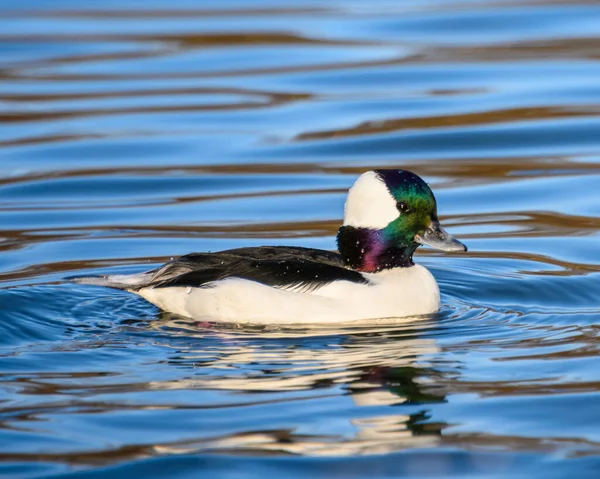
{"x":388,"y":214}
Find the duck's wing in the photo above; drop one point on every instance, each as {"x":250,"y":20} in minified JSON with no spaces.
{"x":301,"y":269}
{"x":280,"y":253}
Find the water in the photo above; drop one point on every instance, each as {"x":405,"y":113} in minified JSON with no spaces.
{"x":134,"y":132}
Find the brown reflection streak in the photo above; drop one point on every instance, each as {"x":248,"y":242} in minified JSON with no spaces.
{"x":251,"y":230}
{"x":538,"y":387}
{"x":528,"y":223}
{"x":566,"y":48}
{"x":210,"y":74}
{"x":459,"y":120}
{"x":138,"y":54}
{"x":187,"y":40}
{"x":48,"y":139}
{"x":567,"y":268}
{"x":172,"y":200}
{"x":266,"y":100}
{"x":45,"y":97}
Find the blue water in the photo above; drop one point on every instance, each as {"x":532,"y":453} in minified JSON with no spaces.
{"x":133,"y":132}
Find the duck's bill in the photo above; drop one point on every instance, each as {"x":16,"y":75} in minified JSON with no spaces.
{"x":436,"y":237}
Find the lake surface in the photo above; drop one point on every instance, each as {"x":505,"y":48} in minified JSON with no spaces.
{"x":132,"y":132}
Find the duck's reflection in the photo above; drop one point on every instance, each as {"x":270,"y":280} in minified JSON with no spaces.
{"x":375,"y":367}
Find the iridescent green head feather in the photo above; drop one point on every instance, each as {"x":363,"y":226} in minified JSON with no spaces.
{"x":415,"y":204}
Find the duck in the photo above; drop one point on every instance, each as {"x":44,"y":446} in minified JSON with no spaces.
{"x":388,"y":214}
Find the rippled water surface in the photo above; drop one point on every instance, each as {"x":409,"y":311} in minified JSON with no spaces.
{"x":132,"y":132}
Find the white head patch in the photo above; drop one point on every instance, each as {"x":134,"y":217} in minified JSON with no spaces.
{"x":369,"y":203}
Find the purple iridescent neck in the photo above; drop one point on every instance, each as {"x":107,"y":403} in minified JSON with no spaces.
{"x":369,"y":250}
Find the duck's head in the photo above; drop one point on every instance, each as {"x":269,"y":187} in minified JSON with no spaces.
{"x":388,"y":215}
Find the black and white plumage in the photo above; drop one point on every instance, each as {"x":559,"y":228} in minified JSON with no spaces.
{"x":297,"y":268}
{"x":372,"y":276}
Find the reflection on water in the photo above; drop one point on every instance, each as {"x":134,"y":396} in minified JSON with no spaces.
{"x":133,"y":133}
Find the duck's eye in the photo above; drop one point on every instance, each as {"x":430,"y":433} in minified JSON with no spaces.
{"x":402,"y":207}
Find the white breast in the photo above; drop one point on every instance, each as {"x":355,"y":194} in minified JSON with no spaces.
{"x":398,"y":292}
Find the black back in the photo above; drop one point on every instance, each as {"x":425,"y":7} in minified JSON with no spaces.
{"x":304,"y":269}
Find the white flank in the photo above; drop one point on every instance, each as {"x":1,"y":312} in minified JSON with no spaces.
{"x":369,"y":203}
{"x":398,"y":292}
